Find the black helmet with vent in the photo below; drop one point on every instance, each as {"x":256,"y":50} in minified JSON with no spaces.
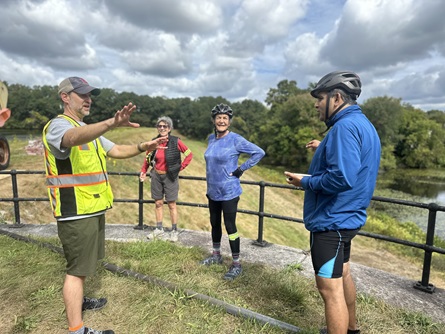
{"x":222,"y":109}
{"x":345,"y":80}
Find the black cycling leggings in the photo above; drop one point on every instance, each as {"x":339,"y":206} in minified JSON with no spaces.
{"x":228,"y":208}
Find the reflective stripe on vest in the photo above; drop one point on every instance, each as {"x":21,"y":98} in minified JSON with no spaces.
{"x":61,"y":181}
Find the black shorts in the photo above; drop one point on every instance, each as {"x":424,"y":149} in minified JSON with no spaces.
{"x":330,"y":250}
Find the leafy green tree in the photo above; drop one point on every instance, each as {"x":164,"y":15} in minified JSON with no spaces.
{"x":249,"y":115}
{"x":195,"y":117}
{"x":19,"y":104}
{"x":388,"y":160}
{"x":151,"y":108}
{"x":422,"y":143}
{"x":285,"y":89}
{"x":285,"y":133}
{"x":181,"y":110}
{"x":35,"y":121}
{"x":104,"y":106}
{"x":282,"y":126}
{"x":385,"y":113}
{"x":438,"y":116}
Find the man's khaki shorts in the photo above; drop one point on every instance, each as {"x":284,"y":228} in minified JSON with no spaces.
{"x":83,"y":243}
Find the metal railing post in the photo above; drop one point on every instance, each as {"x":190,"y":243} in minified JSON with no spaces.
{"x":260,"y":241}
{"x":15,"y":198}
{"x":424,"y":285}
{"x":141,"y":225}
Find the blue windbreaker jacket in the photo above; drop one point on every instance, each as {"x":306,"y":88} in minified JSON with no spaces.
{"x":343,"y":174}
{"x":221,"y":159}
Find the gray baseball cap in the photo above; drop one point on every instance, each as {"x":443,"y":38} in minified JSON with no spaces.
{"x":78,"y":85}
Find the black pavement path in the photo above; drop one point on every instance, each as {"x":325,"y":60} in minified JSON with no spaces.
{"x":392,"y":289}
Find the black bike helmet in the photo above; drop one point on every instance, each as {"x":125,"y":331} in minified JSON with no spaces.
{"x":222,"y":109}
{"x":345,"y":80}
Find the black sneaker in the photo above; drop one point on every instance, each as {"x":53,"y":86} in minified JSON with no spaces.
{"x":93,"y":303}
{"x":233,"y":273}
{"x":95,"y":331}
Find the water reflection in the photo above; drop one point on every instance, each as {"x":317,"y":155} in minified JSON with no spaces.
{"x":435,"y":191}
{"x":418,"y":186}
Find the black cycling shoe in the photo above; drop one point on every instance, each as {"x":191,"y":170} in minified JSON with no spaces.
{"x":93,"y":303}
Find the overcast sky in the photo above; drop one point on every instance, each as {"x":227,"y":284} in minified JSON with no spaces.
{"x":237,"y":49}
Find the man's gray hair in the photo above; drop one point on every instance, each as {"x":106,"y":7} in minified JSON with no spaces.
{"x":345,"y":96}
{"x":167,"y":120}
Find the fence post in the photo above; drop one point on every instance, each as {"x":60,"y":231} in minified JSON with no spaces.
{"x":141,"y":225}
{"x":260,"y":241}
{"x":424,"y":285}
{"x":15,"y":197}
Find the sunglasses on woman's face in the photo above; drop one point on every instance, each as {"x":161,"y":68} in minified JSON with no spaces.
{"x":160,"y":126}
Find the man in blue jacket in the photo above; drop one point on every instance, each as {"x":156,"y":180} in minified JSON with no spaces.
{"x":338,"y":190}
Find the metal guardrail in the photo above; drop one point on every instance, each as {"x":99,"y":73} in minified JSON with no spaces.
{"x":428,"y":247}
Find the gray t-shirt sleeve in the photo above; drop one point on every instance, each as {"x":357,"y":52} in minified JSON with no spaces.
{"x":55,"y":133}
{"x":106,"y":144}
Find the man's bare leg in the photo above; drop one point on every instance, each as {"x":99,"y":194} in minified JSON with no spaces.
{"x":336,"y":310}
{"x":73,"y":298}
{"x":350,"y":296}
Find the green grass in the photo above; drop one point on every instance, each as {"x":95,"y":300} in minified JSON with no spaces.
{"x":32,"y":302}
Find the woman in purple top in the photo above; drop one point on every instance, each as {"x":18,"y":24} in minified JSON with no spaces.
{"x":223,"y":184}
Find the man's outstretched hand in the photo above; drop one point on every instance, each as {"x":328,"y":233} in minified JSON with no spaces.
{"x":122,"y":117}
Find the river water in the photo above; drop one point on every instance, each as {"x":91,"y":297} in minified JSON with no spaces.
{"x":420,"y":188}
{"x":427,"y":191}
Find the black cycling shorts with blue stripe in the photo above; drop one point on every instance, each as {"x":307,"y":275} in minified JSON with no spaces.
{"x":330,"y":250}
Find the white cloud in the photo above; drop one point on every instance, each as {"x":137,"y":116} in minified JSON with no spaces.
{"x":303,"y":53}
{"x":164,"y":57}
{"x":383,"y":33}
{"x":19,"y":71}
{"x":234,"y":48}
{"x":270,"y":18}
{"x":192,"y":16}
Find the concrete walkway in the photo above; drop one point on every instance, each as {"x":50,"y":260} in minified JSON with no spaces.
{"x":393,"y":289}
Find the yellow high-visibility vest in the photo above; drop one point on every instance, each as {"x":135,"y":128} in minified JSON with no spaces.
{"x":78,"y":185}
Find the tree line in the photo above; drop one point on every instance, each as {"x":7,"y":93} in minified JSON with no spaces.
{"x":282,"y":125}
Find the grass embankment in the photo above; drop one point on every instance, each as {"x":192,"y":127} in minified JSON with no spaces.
{"x":32,"y":285}
{"x":31,"y":301}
